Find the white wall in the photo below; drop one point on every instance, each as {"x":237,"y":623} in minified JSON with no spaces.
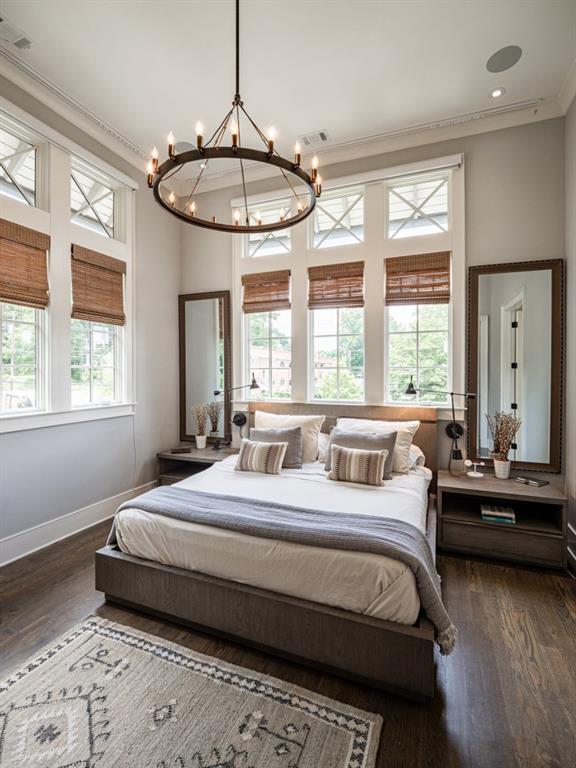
{"x":47,"y":473}
{"x":570,"y":398}
{"x":514,"y":202}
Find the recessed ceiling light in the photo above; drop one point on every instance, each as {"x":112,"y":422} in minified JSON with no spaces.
{"x":497,"y":92}
{"x":504,"y":58}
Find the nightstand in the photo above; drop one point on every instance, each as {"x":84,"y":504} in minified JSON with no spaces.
{"x":173,"y":467}
{"x":538,"y":537}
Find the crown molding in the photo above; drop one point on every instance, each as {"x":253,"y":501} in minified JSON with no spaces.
{"x":567,"y":92}
{"x":45,"y":91}
{"x":452,"y":127}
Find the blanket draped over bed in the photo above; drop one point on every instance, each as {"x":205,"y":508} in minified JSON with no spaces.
{"x":318,"y":528}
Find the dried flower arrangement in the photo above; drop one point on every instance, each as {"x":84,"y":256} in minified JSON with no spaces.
{"x":214,"y":411}
{"x":201,"y":414}
{"x":503,"y":428}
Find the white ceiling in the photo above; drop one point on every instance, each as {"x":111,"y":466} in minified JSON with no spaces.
{"x":357,"y":68}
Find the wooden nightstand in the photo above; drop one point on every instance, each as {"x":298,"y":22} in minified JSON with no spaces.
{"x":538,"y":537}
{"x":173,"y":467}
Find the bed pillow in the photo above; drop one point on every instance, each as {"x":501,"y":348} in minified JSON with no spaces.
{"x":352,"y":465}
{"x":292,"y":436}
{"x":311,"y":426}
{"x":323,"y":446}
{"x":417,"y":458}
{"x":260,"y":457}
{"x":367,"y":441}
{"x":405,"y":434}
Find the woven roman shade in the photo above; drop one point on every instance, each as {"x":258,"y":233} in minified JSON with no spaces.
{"x":97,"y":287}
{"x":422,"y":279}
{"x":266,"y":291}
{"x":336,"y":285}
{"x":23,"y":265}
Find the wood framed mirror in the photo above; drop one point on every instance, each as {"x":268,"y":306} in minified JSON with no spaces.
{"x":516,"y":358}
{"x":205,"y":343}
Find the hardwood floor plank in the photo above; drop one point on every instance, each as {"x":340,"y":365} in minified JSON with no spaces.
{"x":505,"y":697}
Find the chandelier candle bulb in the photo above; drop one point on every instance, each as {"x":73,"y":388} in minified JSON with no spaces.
{"x":282,"y":214}
{"x":318,"y":185}
{"x":199,"y":134}
{"x":297,"y":153}
{"x":172,"y":198}
{"x":171,"y":145}
{"x":234,"y":132}
{"x":315,"y":165}
{"x":192,"y":208}
{"x":271,"y":136}
{"x":150,"y":173}
{"x":154,"y":156}
{"x":237,"y":218}
{"x":258,"y":219}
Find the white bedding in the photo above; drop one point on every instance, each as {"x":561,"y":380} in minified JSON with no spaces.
{"x":364,"y":583}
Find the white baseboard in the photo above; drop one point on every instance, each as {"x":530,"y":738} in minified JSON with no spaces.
{"x":25,"y":542}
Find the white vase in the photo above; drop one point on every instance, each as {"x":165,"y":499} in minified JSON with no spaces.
{"x":201,"y":441}
{"x":502,"y":469}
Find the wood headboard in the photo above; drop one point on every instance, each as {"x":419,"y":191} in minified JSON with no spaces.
{"x":426,"y":438}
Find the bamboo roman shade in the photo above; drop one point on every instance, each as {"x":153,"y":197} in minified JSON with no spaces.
{"x":336,"y":285}
{"x":422,"y":279}
{"x":23,"y":265}
{"x":97,"y":287}
{"x":266,"y":291}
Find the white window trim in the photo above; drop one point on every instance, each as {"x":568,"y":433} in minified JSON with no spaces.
{"x":373,"y":251}
{"x":52,"y":217}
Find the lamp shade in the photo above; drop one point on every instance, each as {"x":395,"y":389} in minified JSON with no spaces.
{"x":411,"y":389}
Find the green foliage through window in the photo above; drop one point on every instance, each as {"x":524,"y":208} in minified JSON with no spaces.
{"x":338,"y":354}
{"x":19,"y":356}
{"x":270,"y":354}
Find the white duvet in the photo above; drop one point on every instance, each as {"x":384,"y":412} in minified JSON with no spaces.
{"x":364,"y":583}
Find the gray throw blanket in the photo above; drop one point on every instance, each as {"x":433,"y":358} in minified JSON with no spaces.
{"x":333,"y":530}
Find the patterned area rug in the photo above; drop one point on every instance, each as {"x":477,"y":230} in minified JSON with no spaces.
{"x":108,"y":695}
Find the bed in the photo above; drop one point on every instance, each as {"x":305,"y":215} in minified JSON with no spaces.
{"x":353,"y":613}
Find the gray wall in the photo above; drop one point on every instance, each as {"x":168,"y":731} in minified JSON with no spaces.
{"x":514,"y":203}
{"x":46,"y":473}
{"x":571,"y":319}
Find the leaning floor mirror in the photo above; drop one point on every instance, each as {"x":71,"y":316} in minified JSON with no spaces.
{"x":205,"y":365}
{"x":515,"y":359}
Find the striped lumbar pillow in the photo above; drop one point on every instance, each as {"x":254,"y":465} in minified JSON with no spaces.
{"x":261,"y":457}
{"x":353,"y":465}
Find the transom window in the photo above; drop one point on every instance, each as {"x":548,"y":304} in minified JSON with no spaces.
{"x":418,"y":346}
{"x":418,"y":206}
{"x":20,"y":357}
{"x":339,"y":218}
{"x":338,"y":353}
{"x":92,"y":201}
{"x":269,"y":243}
{"x":95,"y":367}
{"x":17,"y":167}
{"x":270,"y":353}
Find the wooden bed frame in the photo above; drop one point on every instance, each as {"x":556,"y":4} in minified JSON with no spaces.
{"x":384,"y":654}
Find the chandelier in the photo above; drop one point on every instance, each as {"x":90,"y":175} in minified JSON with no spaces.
{"x":302,"y":188}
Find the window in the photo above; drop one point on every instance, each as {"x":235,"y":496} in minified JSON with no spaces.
{"x":339,"y":218}
{"x":269,"y":243}
{"x":17,"y":167}
{"x":338,"y":353}
{"x":418,"y":206}
{"x":95,"y":366}
{"x":20,"y":357}
{"x":418,"y":344}
{"x":269,"y":353}
{"x":92,"y":200}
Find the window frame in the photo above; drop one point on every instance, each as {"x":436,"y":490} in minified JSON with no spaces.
{"x":247,"y":345}
{"x":19,"y":131}
{"x":118,"y":368}
{"x":311,"y":355}
{"x":334,"y":194}
{"x":391,"y":183}
{"x":51,"y":215}
{"x":40,"y":325}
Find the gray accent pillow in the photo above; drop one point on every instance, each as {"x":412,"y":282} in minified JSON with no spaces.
{"x":290,"y":435}
{"x":365,"y":441}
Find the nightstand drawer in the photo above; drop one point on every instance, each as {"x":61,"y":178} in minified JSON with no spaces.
{"x":500,"y":541}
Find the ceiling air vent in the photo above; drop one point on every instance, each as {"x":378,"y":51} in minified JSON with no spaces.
{"x":315,"y":139}
{"x":12,"y":35}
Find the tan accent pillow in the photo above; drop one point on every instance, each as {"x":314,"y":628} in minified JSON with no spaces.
{"x":311,"y":426}
{"x":352,"y":465}
{"x":260,"y":457}
{"x":405,"y":434}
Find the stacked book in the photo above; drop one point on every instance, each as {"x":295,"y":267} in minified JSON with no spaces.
{"x":493,"y":514}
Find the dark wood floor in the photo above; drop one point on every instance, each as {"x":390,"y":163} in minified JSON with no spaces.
{"x":506,"y":697}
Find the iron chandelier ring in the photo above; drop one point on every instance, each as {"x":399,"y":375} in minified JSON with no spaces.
{"x":237,"y":153}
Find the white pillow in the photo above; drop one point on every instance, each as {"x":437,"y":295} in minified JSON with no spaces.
{"x":405,"y":429}
{"x":323,"y":445}
{"x":311,"y":426}
{"x":417,"y":458}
